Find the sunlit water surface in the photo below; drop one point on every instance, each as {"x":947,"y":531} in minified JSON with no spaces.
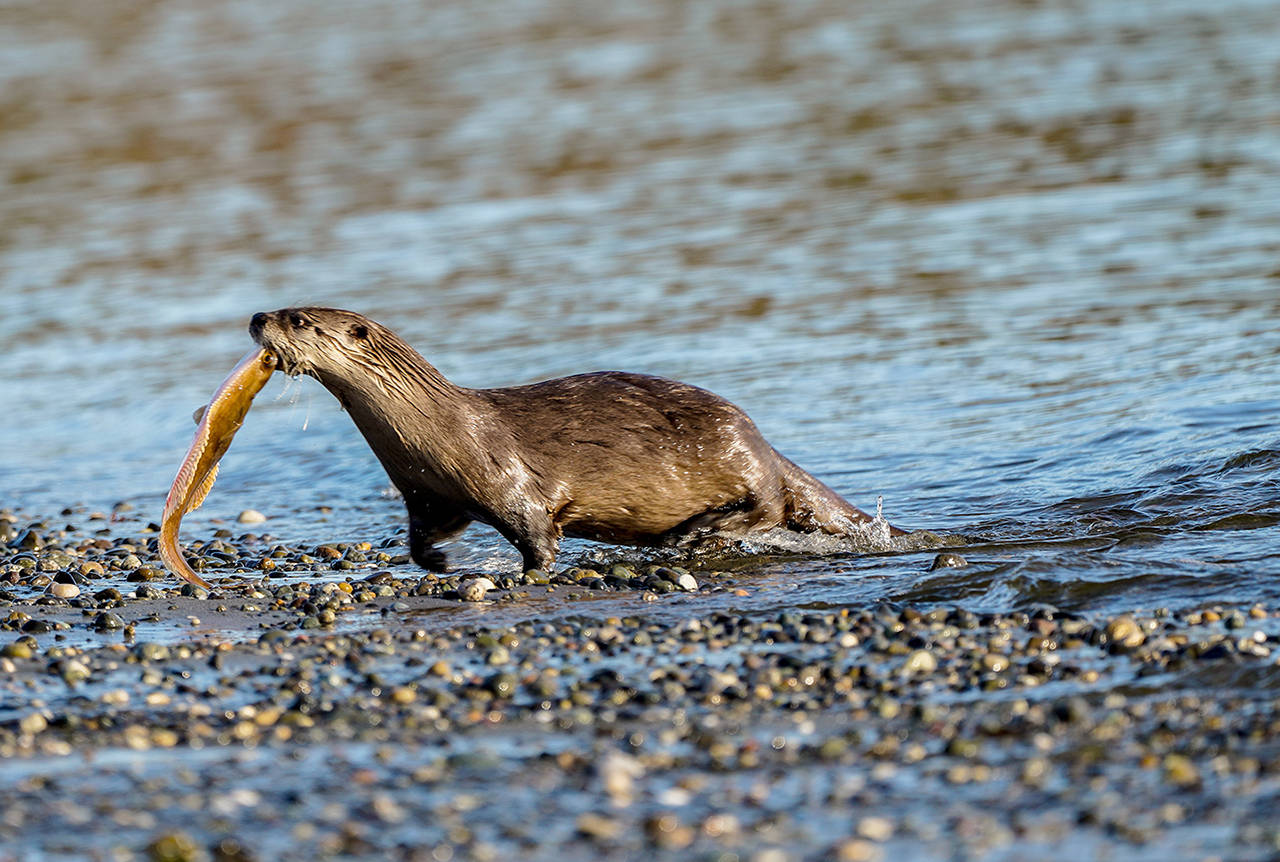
{"x":1012,"y":269}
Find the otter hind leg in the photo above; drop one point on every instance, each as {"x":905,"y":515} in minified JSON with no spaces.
{"x":714,"y":528}
{"x":425,"y":529}
{"x":812,"y":507}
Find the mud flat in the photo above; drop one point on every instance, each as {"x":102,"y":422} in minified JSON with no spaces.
{"x":328,"y":701}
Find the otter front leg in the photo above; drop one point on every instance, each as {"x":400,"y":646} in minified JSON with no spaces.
{"x":538,"y":554}
{"x":425,"y":529}
{"x":535,"y":536}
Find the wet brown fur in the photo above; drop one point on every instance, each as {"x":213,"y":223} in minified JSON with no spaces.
{"x":609,"y":456}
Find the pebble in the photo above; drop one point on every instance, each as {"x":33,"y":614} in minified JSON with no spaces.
{"x":33,"y":723}
{"x":875,"y":828}
{"x":920,"y":662}
{"x":948,"y":560}
{"x":640,"y":721}
{"x":598,"y":827}
{"x":251,"y":516}
{"x":475,"y":589}
{"x":63,"y":591}
{"x":1125,"y":632}
{"x":107,"y":620}
{"x":857,"y":850}
{"x":175,"y":847}
{"x":1180,"y":770}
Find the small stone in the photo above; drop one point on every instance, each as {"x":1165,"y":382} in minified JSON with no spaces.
{"x":33,"y":724}
{"x":73,"y":671}
{"x":28,"y":540}
{"x":948,"y":561}
{"x":106,"y":621}
{"x":687,"y":582}
{"x":875,"y":828}
{"x":598,"y":827}
{"x":251,"y":516}
{"x":858,"y":850}
{"x":386,"y":809}
{"x":1125,"y":632}
{"x":475,"y":589}
{"x":175,"y":847}
{"x":537,"y":577}
{"x":502,"y":684}
{"x":994,"y":662}
{"x":63,"y":591}
{"x":920,"y":662}
{"x":151,"y":651}
{"x":1179,"y":770}
{"x":618,"y":772}
{"x":17,"y":649}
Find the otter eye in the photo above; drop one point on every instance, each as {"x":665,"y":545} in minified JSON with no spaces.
{"x":295,"y":319}
{"x":360,"y":331}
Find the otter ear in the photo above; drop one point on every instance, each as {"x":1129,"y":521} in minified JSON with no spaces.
{"x":360,"y":331}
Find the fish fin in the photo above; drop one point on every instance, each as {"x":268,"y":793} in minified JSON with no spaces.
{"x":203,"y":491}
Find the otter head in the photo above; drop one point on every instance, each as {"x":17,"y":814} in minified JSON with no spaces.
{"x":321,"y":342}
{"x":355,"y":358}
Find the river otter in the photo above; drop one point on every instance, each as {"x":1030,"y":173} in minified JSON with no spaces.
{"x":609,"y":456}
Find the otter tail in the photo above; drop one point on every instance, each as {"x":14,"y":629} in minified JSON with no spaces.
{"x":814,"y":507}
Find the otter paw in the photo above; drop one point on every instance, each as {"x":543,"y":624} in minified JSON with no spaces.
{"x":433,"y":561}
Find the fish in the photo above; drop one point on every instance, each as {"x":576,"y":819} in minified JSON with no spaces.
{"x":217,"y":424}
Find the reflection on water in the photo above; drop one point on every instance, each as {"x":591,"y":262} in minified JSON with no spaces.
{"x":1011,"y":266}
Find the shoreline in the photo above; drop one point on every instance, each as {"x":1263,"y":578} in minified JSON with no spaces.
{"x":595,"y":716}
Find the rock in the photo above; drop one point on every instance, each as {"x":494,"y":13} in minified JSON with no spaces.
{"x":618,"y":772}
{"x":33,"y":724}
{"x":920,"y":662}
{"x":63,"y":591}
{"x":948,"y":561}
{"x":875,"y":828}
{"x":105,"y":621}
{"x":28,"y":540}
{"x":1125,"y":632}
{"x":502,"y":684}
{"x":386,"y":809}
{"x":687,"y":582}
{"x":17,"y":649}
{"x":536,"y":577}
{"x":857,"y":850}
{"x":175,"y":847}
{"x":598,"y":827}
{"x":475,"y":589}
{"x":72,"y":671}
{"x":251,"y":516}
{"x":1179,"y":770}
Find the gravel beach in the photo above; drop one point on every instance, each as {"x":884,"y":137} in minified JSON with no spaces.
{"x":319,"y":705}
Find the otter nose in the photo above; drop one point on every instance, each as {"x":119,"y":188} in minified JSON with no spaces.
{"x":256,"y":323}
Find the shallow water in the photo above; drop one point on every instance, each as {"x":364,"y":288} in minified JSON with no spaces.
{"x":1012,"y":267}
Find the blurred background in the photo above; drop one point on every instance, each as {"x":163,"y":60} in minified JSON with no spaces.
{"x":1011,"y":265}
